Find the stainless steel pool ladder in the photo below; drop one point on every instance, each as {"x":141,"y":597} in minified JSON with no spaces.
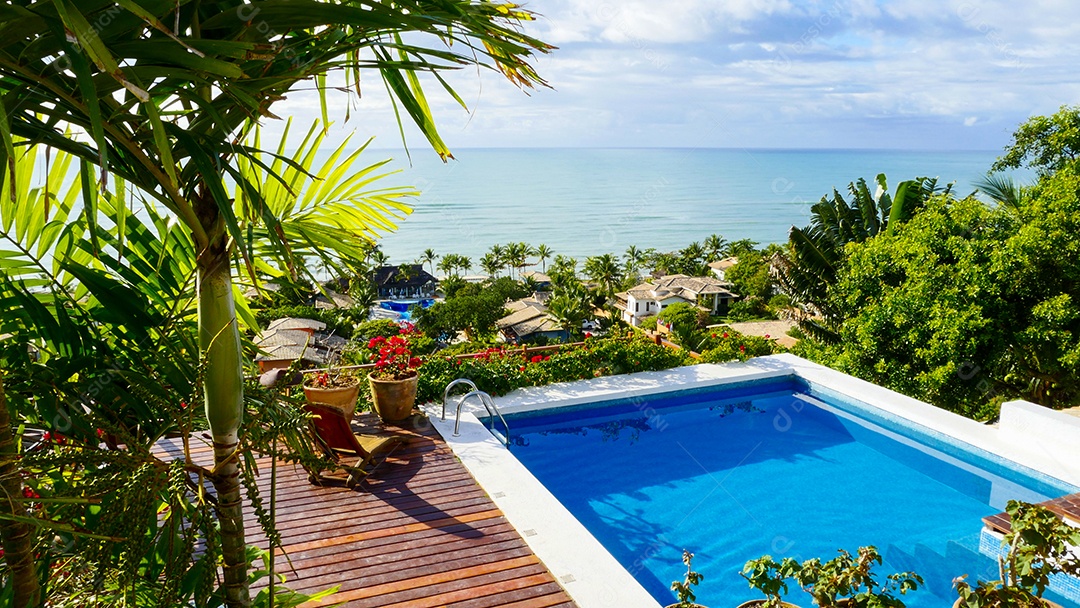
{"x":485,"y":400}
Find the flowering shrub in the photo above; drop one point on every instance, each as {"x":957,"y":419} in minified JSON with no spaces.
{"x":393,"y":358}
{"x":730,"y":345}
{"x":327,"y":379}
{"x":499,"y":371}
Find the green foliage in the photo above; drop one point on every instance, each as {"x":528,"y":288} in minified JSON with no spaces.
{"x":752,"y":275}
{"x":1046,"y":144}
{"x":1037,"y":547}
{"x":968,"y":306}
{"x":724,"y":344}
{"x":648,"y":323}
{"x":852,"y":578}
{"x":684,"y":589}
{"x":770,"y":577}
{"x":749,"y":308}
{"x":816,"y":254}
{"x":686,"y":320}
{"x":499,"y":371}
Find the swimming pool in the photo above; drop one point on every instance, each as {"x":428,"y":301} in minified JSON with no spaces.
{"x":779,"y":466}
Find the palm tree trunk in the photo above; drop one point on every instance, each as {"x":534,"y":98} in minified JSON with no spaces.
{"x":223,"y":399}
{"x":17,"y":537}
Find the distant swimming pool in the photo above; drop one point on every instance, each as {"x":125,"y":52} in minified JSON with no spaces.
{"x":778,"y":467}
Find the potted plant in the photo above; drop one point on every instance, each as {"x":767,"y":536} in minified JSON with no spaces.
{"x":336,"y":389}
{"x":684,"y":589}
{"x":848,"y":580}
{"x":770,"y":578}
{"x":394,"y":379}
{"x":1038,"y":547}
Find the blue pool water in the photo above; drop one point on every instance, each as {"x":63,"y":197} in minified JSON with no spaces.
{"x":777,"y":467}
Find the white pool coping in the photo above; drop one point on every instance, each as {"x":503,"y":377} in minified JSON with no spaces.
{"x":1030,"y":435}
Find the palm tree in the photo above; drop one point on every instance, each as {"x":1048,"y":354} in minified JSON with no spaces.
{"x":715,"y":247}
{"x":571,"y":307}
{"x":171,"y":130}
{"x":604,"y":269}
{"x":428,"y":257}
{"x":498,"y":252}
{"x":463,"y":263}
{"x":542,"y":253}
{"x":516,"y":255}
{"x":446,"y":264}
{"x":490,"y":264}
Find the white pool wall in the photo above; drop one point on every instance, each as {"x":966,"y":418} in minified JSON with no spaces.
{"x":1028,"y":434}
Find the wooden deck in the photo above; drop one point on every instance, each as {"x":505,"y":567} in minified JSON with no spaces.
{"x":1066,"y":507}
{"x":417,"y":532}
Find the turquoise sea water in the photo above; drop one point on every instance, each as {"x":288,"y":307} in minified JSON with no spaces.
{"x":733,"y":474}
{"x":583,"y":202}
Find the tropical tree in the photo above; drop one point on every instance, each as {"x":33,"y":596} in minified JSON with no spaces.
{"x":715,"y":247}
{"x":571,"y":307}
{"x":516,"y":256}
{"x":816,"y":253}
{"x":605,"y":271}
{"x":1046,"y":144}
{"x":462,"y":263}
{"x":428,"y":257}
{"x":498,"y":252}
{"x":543,"y":253}
{"x":446,"y":264}
{"x":490,"y":264}
{"x":164,"y":106}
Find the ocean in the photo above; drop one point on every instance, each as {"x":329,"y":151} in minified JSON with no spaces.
{"x":582,"y":202}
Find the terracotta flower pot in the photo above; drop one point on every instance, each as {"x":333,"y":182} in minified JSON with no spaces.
{"x":1046,"y":603}
{"x":339,"y":397}
{"x":393,"y":399}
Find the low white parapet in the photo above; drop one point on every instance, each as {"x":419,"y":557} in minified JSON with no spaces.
{"x":1055,"y":435}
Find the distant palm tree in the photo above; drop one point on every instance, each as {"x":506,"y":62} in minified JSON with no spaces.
{"x":604,"y":269}
{"x":463,"y":263}
{"x":378,"y":258}
{"x":428,"y":257}
{"x":715,"y":248}
{"x":542,"y":253}
{"x":571,"y":307}
{"x":490,"y":264}
{"x":498,"y":252}
{"x":516,"y":256}
{"x":446,"y":264}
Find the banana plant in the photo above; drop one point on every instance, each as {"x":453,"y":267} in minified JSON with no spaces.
{"x":816,"y":252}
{"x":164,"y":91}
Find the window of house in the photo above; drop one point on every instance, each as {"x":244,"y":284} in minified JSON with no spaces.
{"x":637,"y":306}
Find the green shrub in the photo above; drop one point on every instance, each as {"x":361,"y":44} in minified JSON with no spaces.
{"x":648,"y":323}
{"x":499,"y":371}
{"x":729,"y":345}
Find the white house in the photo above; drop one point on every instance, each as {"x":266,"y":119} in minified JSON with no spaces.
{"x":720,"y":267}
{"x":649,"y":299}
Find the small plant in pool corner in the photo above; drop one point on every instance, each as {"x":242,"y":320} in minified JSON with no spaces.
{"x":684,"y":589}
{"x":1038,"y":547}
{"x":770,"y":578}
{"x":848,"y":580}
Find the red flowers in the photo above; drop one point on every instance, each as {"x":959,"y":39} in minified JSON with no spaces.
{"x":29,"y":492}
{"x":392,"y":356}
{"x":725,"y":334}
{"x":742,"y":348}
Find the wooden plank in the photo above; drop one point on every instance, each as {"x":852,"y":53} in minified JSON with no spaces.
{"x":417,"y":532}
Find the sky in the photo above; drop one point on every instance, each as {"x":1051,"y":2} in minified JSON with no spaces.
{"x":877,"y":74}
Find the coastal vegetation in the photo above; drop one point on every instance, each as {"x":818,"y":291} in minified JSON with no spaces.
{"x":165,"y":100}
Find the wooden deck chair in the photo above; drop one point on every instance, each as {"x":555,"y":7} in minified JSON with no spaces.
{"x":351,"y":452}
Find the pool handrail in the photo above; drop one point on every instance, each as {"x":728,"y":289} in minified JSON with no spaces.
{"x":492,"y":410}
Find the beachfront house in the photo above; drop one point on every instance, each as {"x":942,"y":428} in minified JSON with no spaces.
{"x":405,"y":282}
{"x":529,"y":321}
{"x":720,"y":267}
{"x":650,"y":298}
